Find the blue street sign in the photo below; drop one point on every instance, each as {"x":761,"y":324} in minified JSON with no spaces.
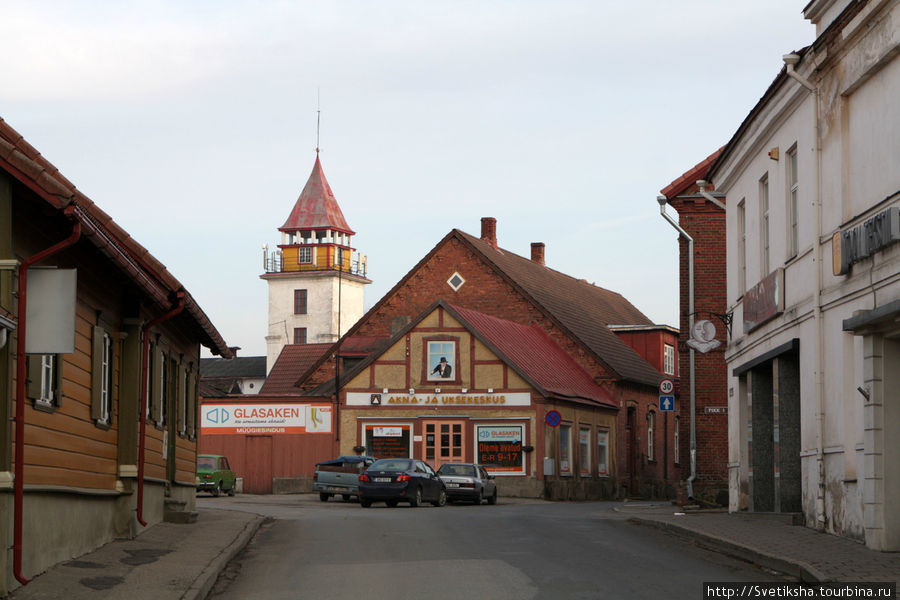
{"x":553,"y":418}
{"x":667,"y":403}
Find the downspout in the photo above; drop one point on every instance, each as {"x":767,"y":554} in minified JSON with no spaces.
{"x":790,"y":60}
{"x":662,"y":200}
{"x":142,"y":418}
{"x":21,"y":374}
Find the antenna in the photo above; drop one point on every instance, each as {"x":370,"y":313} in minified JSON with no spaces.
{"x":318,"y":115}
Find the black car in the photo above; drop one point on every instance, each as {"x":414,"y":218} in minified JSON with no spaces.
{"x":466,"y":481}
{"x":394,"y":480}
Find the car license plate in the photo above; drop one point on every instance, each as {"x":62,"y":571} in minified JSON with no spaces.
{"x":452,"y":485}
{"x":383,"y":480}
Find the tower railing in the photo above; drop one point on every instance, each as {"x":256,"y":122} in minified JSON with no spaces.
{"x":274,"y":263}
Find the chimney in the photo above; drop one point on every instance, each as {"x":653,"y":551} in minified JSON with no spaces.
{"x":489,"y":230}
{"x":537,"y":252}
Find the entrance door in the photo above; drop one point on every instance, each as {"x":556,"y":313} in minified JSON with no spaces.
{"x":444,"y":442}
{"x":258,"y":465}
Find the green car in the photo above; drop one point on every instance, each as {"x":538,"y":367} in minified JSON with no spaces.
{"x":214,"y":475}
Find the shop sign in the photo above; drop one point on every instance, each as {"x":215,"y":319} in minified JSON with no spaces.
{"x":388,"y":441}
{"x":225,"y":419}
{"x":856,"y":243}
{"x":500,"y":448}
{"x":764,"y":301}
{"x":426,"y":399}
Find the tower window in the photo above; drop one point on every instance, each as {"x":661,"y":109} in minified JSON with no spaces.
{"x":304,"y":255}
{"x":299,"y":302}
{"x":299,"y":335}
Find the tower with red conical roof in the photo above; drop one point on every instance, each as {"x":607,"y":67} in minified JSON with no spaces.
{"x":316,"y":278}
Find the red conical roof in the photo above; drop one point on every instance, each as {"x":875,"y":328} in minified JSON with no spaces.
{"x":316,"y":208}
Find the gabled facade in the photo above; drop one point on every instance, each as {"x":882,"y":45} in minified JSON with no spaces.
{"x":814,"y":281}
{"x":704,"y":334}
{"x":105,"y":400}
{"x":315,"y":278}
{"x":475,"y":273}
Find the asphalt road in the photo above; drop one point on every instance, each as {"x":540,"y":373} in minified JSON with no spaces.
{"x":515,"y":550}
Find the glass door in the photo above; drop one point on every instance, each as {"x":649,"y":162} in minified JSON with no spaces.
{"x":444,"y":442}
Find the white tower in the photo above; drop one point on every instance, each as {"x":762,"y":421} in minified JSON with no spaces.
{"x":315,"y":278}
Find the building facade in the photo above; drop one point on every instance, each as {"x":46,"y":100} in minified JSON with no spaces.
{"x":99,"y":362}
{"x":813,"y":269}
{"x":315,"y":278}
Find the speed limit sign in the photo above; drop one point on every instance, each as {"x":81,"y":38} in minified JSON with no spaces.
{"x":666,"y":386}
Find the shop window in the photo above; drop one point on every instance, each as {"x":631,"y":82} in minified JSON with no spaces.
{"x":440,"y":360}
{"x":44,"y":381}
{"x":102,"y":377}
{"x":584,"y":451}
{"x":389,"y":440}
{"x":499,"y":448}
{"x":603,"y":452}
{"x":651,"y":435}
{"x":565,"y":450}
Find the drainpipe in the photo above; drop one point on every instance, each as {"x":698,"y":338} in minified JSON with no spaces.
{"x":21,"y":374}
{"x":790,"y":60}
{"x":142,"y":419}
{"x":662,"y":210}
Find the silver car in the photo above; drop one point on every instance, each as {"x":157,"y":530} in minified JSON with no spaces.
{"x":465,"y":481}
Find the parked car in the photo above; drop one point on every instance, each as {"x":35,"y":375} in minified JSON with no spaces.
{"x":214,"y":475}
{"x":466,"y":481}
{"x":340,"y":476}
{"x":394,"y":480}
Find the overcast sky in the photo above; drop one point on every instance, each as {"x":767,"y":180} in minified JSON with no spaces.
{"x":193,"y":124}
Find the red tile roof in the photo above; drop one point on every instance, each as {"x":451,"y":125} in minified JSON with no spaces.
{"x":294,"y":360}
{"x":316,"y":208}
{"x":21,"y":160}
{"x":529,"y":348}
{"x":689,"y":179}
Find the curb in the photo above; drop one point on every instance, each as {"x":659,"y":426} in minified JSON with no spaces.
{"x":204,"y":582}
{"x":796,"y":568}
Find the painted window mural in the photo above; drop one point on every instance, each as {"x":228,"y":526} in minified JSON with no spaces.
{"x":441,"y":359}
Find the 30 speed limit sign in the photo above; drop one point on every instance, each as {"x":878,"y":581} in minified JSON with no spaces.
{"x":666,"y":386}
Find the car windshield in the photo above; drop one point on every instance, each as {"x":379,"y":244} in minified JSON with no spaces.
{"x":391,"y":465}
{"x":459,"y":470}
{"x":206,"y":462}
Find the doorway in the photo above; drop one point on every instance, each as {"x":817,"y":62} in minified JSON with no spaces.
{"x":443,"y":442}
{"x":258,"y":465}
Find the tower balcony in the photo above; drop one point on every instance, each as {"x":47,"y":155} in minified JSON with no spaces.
{"x":315,"y":258}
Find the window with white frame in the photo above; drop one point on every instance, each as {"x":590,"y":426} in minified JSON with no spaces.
{"x":651,"y":435}
{"x":584,"y":451}
{"x":668,"y":359}
{"x":764,"y":224}
{"x":102,"y":377}
{"x":794,"y":216}
{"x":304,"y":255}
{"x":742,"y":247}
{"x":49,"y":377}
{"x":603,"y":452}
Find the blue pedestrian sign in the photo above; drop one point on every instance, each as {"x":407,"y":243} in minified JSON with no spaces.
{"x":666,"y":403}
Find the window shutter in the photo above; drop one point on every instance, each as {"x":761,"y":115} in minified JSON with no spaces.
{"x":190,"y":397}
{"x":156,"y":413}
{"x":33,"y":380}
{"x":97,"y":374}
{"x":180,"y":398}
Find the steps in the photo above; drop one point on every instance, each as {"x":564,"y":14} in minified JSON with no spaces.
{"x":175,"y":511}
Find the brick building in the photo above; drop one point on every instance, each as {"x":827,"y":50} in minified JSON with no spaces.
{"x":476,"y":274}
{"x":704,"y":221}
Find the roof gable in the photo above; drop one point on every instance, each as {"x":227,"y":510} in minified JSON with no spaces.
{"x":316,"y":208}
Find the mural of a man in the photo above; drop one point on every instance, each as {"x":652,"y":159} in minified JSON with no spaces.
{"x":443,"y":369}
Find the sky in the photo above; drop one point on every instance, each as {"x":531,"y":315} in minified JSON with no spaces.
{"x":194,"y":124}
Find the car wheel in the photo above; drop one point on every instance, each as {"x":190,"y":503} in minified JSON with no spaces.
{"x":365,"y":503}
{"x":231,"y":491}
{"x":324,"y":497}
{"x":391,"y":503}
{"x":480,"y":497}
{"x":217,"y":491}
{"x":416,"y":500}
{"x":345,"y":497}
{"x":493,"y":498}
{"x":442,"y":498}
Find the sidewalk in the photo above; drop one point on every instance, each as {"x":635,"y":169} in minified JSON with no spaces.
{"x":770,"y":540}
{"x":168,"y":561}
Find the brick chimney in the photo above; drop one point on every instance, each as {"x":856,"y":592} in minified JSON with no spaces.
{"x":537,"y":252}
{"x":489,"y":230}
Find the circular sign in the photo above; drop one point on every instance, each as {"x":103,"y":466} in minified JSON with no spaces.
{"x":553,"y":418}
{"x":666,"y":386}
